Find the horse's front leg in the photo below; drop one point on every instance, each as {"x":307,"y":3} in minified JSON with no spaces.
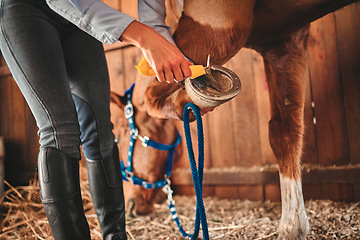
{"x":286,"y":66}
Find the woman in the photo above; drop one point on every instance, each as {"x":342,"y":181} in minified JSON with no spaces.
{"x":53,"y":49}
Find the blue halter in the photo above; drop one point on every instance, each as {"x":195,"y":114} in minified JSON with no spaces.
{"x":126,"y":172}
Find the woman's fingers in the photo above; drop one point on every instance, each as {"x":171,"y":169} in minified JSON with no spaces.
{"x":169,"y":76}
{"x":178,"y":74}
{"x":186,"y":69}
{"x":173,"y":73}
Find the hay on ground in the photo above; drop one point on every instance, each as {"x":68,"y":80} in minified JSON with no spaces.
{"x":22,"y":217}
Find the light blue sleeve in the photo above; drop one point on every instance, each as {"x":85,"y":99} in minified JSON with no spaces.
{"x":153,"y":13}
{"x":94,"y":17}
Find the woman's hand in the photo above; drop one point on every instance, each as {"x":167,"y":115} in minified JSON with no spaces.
{"x":165,"y":59}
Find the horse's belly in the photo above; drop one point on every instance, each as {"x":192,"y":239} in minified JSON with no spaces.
{"x":221,"y":13}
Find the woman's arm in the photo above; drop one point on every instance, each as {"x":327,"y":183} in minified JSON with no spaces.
{"x":94,"y":17}
{"x":153,"y":14}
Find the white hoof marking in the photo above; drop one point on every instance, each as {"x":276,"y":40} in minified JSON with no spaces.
{"x":294,"y":223}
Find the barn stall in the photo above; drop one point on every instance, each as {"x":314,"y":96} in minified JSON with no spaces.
{"x":239,"y":162}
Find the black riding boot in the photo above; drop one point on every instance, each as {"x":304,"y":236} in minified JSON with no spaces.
{"x":60,"y":194}
{"x":107,"y":194}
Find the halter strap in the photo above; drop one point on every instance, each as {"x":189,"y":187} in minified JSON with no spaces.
{"x":126,"y":171}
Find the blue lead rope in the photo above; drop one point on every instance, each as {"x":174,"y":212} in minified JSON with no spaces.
{"x":127,"y":174}
{"x":197,"y":172}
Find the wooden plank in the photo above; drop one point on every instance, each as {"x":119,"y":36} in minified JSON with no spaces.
{"x":219,"y":134}
{"x":226,"y":191}
{"x":18,"y":128}
{"x":342,"y":174}
{"x":132,"y":57}
{"x":16,"y":167}
{"x":122,"y":71}
{"x":208,"y":190}
{"x":311,"y":191}
{"x":183,"y":190}
{"x":209,"y":151}
{"x":2,"y":147}
{"x":347,"y":32}
{"x":5,"y":107}
{"x":183,"y":161}
{"x":251,"y":192}
{"x":337,"y":192}
{"x":263,"y":108}
{"x":330,"y":191}
{"x":207,"y":121}
{"x":345,"y":192}
{"x":356,"y":188}
{"x":2,"y":172}
{"x":332,"y":142}
{"x":6,"y":119}
{"x":272,"y":192}
{"x":269,"y":175}
{"x":246,"y":136}
{"x":229,"y":176}
{"x":18,"y":123}
{"x":310,"y":155}
{"x":309,"y":142}
{"x":116,"y":67}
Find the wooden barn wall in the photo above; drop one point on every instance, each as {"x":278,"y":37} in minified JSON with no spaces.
{"x":18,"y":128}
{"x":239,"y":162}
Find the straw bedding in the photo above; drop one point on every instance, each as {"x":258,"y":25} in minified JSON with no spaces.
{"x":22,"y":217}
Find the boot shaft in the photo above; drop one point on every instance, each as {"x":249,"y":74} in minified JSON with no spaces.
{"x":60,"y":194}
{"x":107,"y":194}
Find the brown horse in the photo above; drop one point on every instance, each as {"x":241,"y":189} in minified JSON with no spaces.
{"x":278,"y":30}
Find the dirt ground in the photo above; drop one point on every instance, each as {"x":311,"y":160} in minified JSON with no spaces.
{"x":22,"y":217}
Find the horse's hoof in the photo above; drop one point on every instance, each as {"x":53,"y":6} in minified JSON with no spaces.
{"x":216,"y":87}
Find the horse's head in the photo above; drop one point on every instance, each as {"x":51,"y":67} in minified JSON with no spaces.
{"x":149,"y":164}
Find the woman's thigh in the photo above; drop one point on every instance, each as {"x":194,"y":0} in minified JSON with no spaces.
{"x":30,"y":41}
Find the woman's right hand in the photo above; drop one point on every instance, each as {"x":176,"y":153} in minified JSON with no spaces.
{"x":164,"y":58}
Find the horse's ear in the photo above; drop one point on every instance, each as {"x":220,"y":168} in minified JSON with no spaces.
{"x":120,"y":101}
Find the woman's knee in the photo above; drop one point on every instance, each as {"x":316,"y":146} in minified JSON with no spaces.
{"x":97,"y":138}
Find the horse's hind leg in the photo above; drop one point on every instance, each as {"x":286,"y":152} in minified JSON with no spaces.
{"x":286,"y":66}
